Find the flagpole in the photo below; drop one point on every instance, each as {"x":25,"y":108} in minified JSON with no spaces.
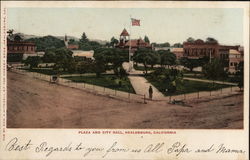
{"x":129,"y":51}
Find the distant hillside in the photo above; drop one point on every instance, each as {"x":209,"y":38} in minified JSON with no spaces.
{"x":26,"y":36}
{"x":69,"y":37}
{"x":43,"y":43}
{"x":50,"y":41}
{"x":102,"y":42}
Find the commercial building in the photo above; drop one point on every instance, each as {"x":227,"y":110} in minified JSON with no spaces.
{"x":199,"y":49}
{"x":18,"y":49}
{"x":235,"y":57}
{"x":178,"y":52}
{"x":230,"y":55}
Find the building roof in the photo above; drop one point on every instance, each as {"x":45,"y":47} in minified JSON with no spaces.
{"x":177,"y":50}
{"x":199,"y":41}
{"x":80,"y":53}
{"x":137,"y":43}
{"x":233,"y":51}
{"x":124,"y":33}
{"x":73,"y":46}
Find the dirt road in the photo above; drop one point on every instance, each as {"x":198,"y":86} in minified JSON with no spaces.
{"x":34,"y":103}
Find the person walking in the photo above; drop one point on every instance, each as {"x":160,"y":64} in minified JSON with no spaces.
{"x":150,"y":91}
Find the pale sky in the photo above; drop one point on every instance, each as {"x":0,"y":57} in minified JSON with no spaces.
{"x":159,"y":24}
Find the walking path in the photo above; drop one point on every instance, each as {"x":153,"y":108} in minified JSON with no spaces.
{"x":140,"y":84}
{"x":210,"y":81}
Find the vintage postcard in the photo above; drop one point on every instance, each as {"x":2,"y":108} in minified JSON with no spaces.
{"x":124,"y":80}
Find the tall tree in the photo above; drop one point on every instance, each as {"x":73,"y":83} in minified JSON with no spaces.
{"x":113,"y":41}
{"x":190,"y":63}
{"x":84,"y":38}
{"x":146,"y":39}
{"x":214,"y":70}
{"x":211,"y":40}
{"x":144,"y":56}
{"x":177,"y":45}
{"x":240,"y":74}
{"x":32,"y":61}
{"x":190,"y":39}
{"x":167,"y":58}
{"x":46,"y":42}
{"x":84,"y":43}
{"x":64,"y":60}
{"x":113,"y":57}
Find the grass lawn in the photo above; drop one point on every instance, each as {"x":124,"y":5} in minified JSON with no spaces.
{"x":105,"y":80}
{"x":188,"y":87}
{"x":141,"y":68}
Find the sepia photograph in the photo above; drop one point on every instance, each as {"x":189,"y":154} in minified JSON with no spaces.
{"x":125,"y":68}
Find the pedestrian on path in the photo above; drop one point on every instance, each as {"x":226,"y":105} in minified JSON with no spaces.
{"x":150,"y":91}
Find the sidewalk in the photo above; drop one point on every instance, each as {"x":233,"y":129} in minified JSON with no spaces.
{"x":210,"y":81}
{"x":141,"y":86}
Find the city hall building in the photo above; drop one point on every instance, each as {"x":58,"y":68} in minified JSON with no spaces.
{"x":135,"y":44}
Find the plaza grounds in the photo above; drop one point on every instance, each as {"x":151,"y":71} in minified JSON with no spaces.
{"x":33,"y":103}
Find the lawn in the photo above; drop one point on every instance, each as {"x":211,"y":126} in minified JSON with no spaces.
{"x":187,"y":87}
{"x":105,"y":80}
{"x":141,"y":68}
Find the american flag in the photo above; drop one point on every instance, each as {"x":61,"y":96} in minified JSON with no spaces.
{"x":135,"y":22}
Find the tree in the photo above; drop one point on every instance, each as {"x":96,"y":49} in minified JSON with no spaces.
{"x":170,"y":79}
{"x":214,"y":70}
{"x":190,"y":63}
{"x":190,"y":39}
{"x":144,"y":56}
{"x":32,"y":61}
{"x":84,"y":65}
{"x":113,"y":41}
{"x":155,"y":59}
{"x":64,"y":60}
{"x":46,"y":42}
{"x":167,"y":58}
{"x":49,"y":56}
{"x":84,"y":43}
{"x":166,"y":44}
{"x":84,"y":38}
{"x":99,"y":65}
{"x":146,"y":39}
{"x":113,"y":58}
{"x":73,"y":41}
{"x":240,"y":74}
{"x":211,"y":40}
{"x":177,"y":45}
